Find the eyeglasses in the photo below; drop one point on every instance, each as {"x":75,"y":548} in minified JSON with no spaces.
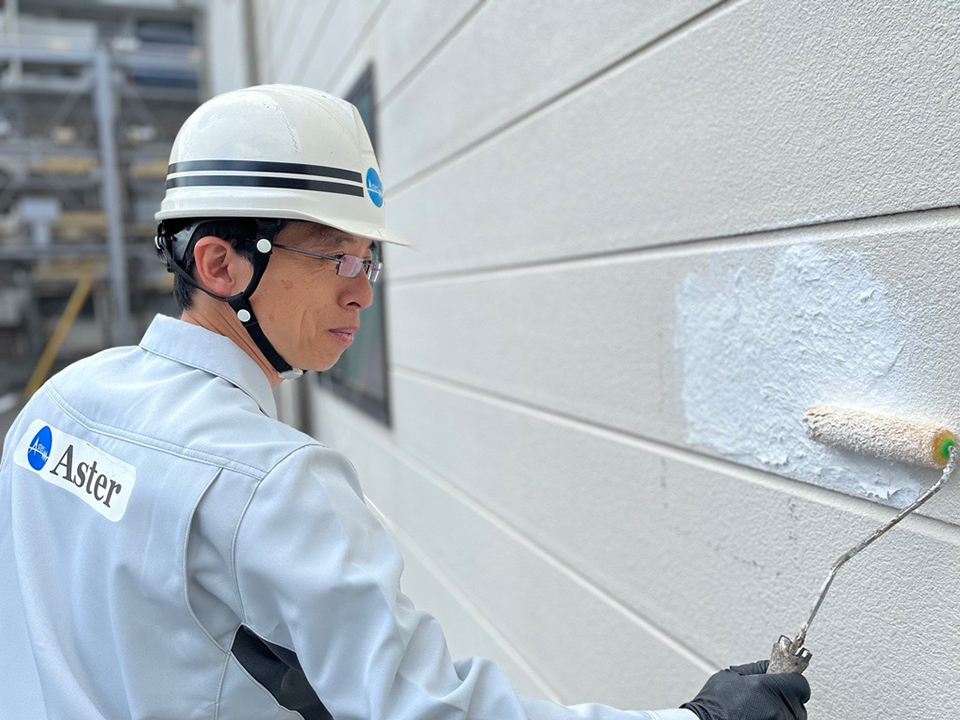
{"x":347,"y":265}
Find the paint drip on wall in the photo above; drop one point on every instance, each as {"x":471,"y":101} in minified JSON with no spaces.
{"x":761,"y":336}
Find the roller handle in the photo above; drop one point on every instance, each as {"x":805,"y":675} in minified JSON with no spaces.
{"x":789,"y":656}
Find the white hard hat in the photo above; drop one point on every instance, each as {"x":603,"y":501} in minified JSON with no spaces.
{"x":277,"y":151}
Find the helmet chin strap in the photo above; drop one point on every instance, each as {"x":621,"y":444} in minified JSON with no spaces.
{"x":239,"y":303}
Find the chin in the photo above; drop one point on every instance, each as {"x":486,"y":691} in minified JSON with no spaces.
{"x":321,"y":365}
{"x":320,"y":360}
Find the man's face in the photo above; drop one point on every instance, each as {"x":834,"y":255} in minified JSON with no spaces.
{"x":307,"y":311}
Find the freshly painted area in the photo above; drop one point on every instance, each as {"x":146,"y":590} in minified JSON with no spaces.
{"x":759,"y":343}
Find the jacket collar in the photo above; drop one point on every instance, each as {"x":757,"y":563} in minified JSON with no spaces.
{"x":205,"y":350}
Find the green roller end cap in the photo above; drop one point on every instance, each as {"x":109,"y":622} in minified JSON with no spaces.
{"x":945,"y":447}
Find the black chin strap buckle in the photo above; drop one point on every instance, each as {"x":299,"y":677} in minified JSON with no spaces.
{"x":240,"y":304}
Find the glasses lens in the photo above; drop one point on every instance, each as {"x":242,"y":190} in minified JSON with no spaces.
{"x":373,"y":271}
{"x":350,"y":266}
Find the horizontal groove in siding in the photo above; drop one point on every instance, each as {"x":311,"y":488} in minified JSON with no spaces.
{"x":940,"y":217}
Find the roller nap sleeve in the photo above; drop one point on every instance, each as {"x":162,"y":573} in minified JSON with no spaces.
{"x":919,"y":442}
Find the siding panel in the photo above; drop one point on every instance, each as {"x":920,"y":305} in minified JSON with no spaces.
{"x":406,"y":36}
{"x":514,"y":55}
{"x":599,"y":340}
{"x":768,"y":115}
{"x":295,"y":30}
{"x":345,"y":26}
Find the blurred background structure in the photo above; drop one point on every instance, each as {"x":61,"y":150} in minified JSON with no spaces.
{"x":91,"y":97}
{"x":648,"y":235}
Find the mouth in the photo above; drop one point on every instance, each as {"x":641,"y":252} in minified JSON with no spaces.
{"x":344,"y":334}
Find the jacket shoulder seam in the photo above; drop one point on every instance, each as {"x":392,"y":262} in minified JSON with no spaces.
{"x":164,"y":446}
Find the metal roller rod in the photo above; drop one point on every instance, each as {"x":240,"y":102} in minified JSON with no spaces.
{"x":947,"y":472}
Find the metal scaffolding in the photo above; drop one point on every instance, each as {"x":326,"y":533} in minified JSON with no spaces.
{"x":91,"y":97}
{"x":99,"y":63}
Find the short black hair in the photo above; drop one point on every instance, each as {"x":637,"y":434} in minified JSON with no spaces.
{"x":241,"y":233}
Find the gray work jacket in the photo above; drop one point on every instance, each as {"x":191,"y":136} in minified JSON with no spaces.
{"x":169,"y":549}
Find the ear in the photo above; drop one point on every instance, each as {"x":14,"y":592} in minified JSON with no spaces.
{"x":219,"y":268}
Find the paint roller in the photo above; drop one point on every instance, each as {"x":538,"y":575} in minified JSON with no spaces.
{"x":918,"y":442}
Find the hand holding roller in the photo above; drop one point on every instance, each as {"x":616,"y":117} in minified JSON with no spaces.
{"x":912,"y":441}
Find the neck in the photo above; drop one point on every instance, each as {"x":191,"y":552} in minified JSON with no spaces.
{"x":219,"y":318}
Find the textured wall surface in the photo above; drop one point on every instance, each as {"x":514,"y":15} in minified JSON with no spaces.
{"x":649,"y":235}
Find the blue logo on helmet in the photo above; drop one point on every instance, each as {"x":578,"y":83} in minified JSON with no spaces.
{"x":39,"y":451}
{"x":374,"y":187}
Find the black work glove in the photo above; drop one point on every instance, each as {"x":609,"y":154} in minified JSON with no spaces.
{"x":744,"y":692}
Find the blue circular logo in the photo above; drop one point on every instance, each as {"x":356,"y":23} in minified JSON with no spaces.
{"x":374,"y":187}
{"x":39,"y":451}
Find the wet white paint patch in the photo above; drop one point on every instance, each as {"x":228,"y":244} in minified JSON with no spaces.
{"x":762,"y":335}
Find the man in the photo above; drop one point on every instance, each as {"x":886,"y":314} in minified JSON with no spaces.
{"x":168,"y":548}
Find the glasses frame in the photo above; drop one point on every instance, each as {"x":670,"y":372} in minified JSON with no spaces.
{"x":371,"y":268}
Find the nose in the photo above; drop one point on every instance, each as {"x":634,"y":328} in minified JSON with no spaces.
{"x":357,"y":293}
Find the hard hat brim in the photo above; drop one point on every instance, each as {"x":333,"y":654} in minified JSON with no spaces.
{"x":371,"y":232}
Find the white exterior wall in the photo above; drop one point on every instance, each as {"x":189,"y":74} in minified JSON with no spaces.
{"x":649,"y":234}
{"x":225,"y":45}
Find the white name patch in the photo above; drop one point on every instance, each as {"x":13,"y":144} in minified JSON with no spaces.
{"x":102,"y":481}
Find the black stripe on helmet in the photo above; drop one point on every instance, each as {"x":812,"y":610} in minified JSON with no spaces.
{"x":261,"y":166}
{"x":264,"y":181}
